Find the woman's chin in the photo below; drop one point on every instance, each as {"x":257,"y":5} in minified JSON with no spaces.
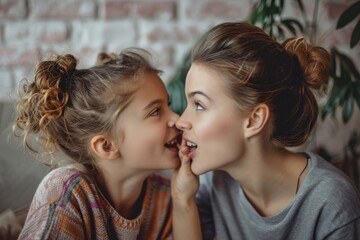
{"x":197,"y":170}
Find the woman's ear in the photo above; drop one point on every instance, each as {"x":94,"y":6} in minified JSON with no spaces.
{"x":257,"y":120}
{"x":104,"y":147}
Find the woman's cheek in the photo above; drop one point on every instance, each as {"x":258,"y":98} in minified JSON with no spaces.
{"x":211,"y":129}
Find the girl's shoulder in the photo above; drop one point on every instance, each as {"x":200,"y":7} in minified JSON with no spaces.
{"x":63,"y":176}
{"x":59,"y":183}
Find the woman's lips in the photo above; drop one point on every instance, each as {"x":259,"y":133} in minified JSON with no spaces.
{"x":192,"y":148}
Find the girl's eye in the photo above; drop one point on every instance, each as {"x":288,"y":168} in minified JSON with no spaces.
{"x":198,"y":106}
{"x":155,"y":112}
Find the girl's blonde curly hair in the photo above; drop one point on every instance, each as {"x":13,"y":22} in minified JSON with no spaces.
{"x":67,"y":106}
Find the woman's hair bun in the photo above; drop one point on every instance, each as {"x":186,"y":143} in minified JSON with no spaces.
{"x":314,"y":61}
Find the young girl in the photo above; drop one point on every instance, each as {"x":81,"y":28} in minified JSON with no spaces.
{"x":249,"y":98}
{"x":113,"y":121}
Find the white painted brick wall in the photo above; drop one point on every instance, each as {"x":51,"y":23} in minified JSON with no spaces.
{"x":33,"y":29}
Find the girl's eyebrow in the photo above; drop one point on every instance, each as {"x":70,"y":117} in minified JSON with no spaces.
{"x":192,"y":94}
{"x":152,"y":103}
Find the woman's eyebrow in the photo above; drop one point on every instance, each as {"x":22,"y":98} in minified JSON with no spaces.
{"x":192,"y":94}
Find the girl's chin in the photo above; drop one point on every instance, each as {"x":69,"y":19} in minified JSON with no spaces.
{"x":174,"y":162}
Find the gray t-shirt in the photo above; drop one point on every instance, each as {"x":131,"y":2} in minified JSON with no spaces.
{"x":327,"y":206}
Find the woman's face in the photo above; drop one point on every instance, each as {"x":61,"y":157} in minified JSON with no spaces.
{"x":212,"y":123}
{"x":147,"y":135}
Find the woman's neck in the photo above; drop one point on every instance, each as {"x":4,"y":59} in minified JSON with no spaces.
{"x":269,"y":178}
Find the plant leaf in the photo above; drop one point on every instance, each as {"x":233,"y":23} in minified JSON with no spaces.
{"x":357,"y":93}
{"x":301,"y":6}
{"x":348,"y":15}
{"x":348,"y":65}
{"x":355,"y":36}
{"x":259,"y":12}
{"x":177,"y":97}
{"x":290,"y":25}
{"x":254,"y":14}
{"x":348,"y":106}
{"x":281,"y":4}
{"x":176,"y":86}
{"x":281,"y":35}
{"x":333,"y":62}
{"x":335,"y":98}
{"x":345,"y":77}
{"x":346,"y":62}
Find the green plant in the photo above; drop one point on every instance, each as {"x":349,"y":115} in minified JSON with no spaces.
{"x":348,"y":16}
{"x":176,"y":86}
{"x":345,"y":89}
{"x":268,"y":16}
{"x":345,"y":75}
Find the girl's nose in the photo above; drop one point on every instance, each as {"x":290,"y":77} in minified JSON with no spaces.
{"x":172,"y":121}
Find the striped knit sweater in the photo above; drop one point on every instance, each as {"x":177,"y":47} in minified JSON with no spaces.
{"x":69,"y":205}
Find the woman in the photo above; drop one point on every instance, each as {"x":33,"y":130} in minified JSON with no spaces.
{"x":249,"y":98}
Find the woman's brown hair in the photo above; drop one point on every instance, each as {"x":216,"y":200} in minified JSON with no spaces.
{"x":68,"y":106}
{"x":257,"y":69}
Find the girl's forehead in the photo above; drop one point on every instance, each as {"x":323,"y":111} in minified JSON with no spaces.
{"x":150,"y":87}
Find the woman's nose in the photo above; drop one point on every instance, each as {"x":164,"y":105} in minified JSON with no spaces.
{"x":183,"y":125}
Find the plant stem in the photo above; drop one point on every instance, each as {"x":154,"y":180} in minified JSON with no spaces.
{"x":313,"y":26}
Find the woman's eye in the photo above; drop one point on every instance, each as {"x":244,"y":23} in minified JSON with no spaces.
{"x":198,"y":106}
{"x":155,"y":112}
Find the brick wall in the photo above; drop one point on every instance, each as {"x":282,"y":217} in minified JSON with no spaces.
{"x":32,"y":29}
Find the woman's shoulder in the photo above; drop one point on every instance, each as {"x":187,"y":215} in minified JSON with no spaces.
{"x":325,"y":174}
{"x":332,"y":187}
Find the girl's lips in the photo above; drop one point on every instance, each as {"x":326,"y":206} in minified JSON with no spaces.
{"x":172,"y":144}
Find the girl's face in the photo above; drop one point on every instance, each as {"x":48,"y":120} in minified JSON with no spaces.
{"x":212,"y":124}
{"x":146,"y":131}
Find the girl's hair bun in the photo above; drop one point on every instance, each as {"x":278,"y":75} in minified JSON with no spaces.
{"x":104,"y":58}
